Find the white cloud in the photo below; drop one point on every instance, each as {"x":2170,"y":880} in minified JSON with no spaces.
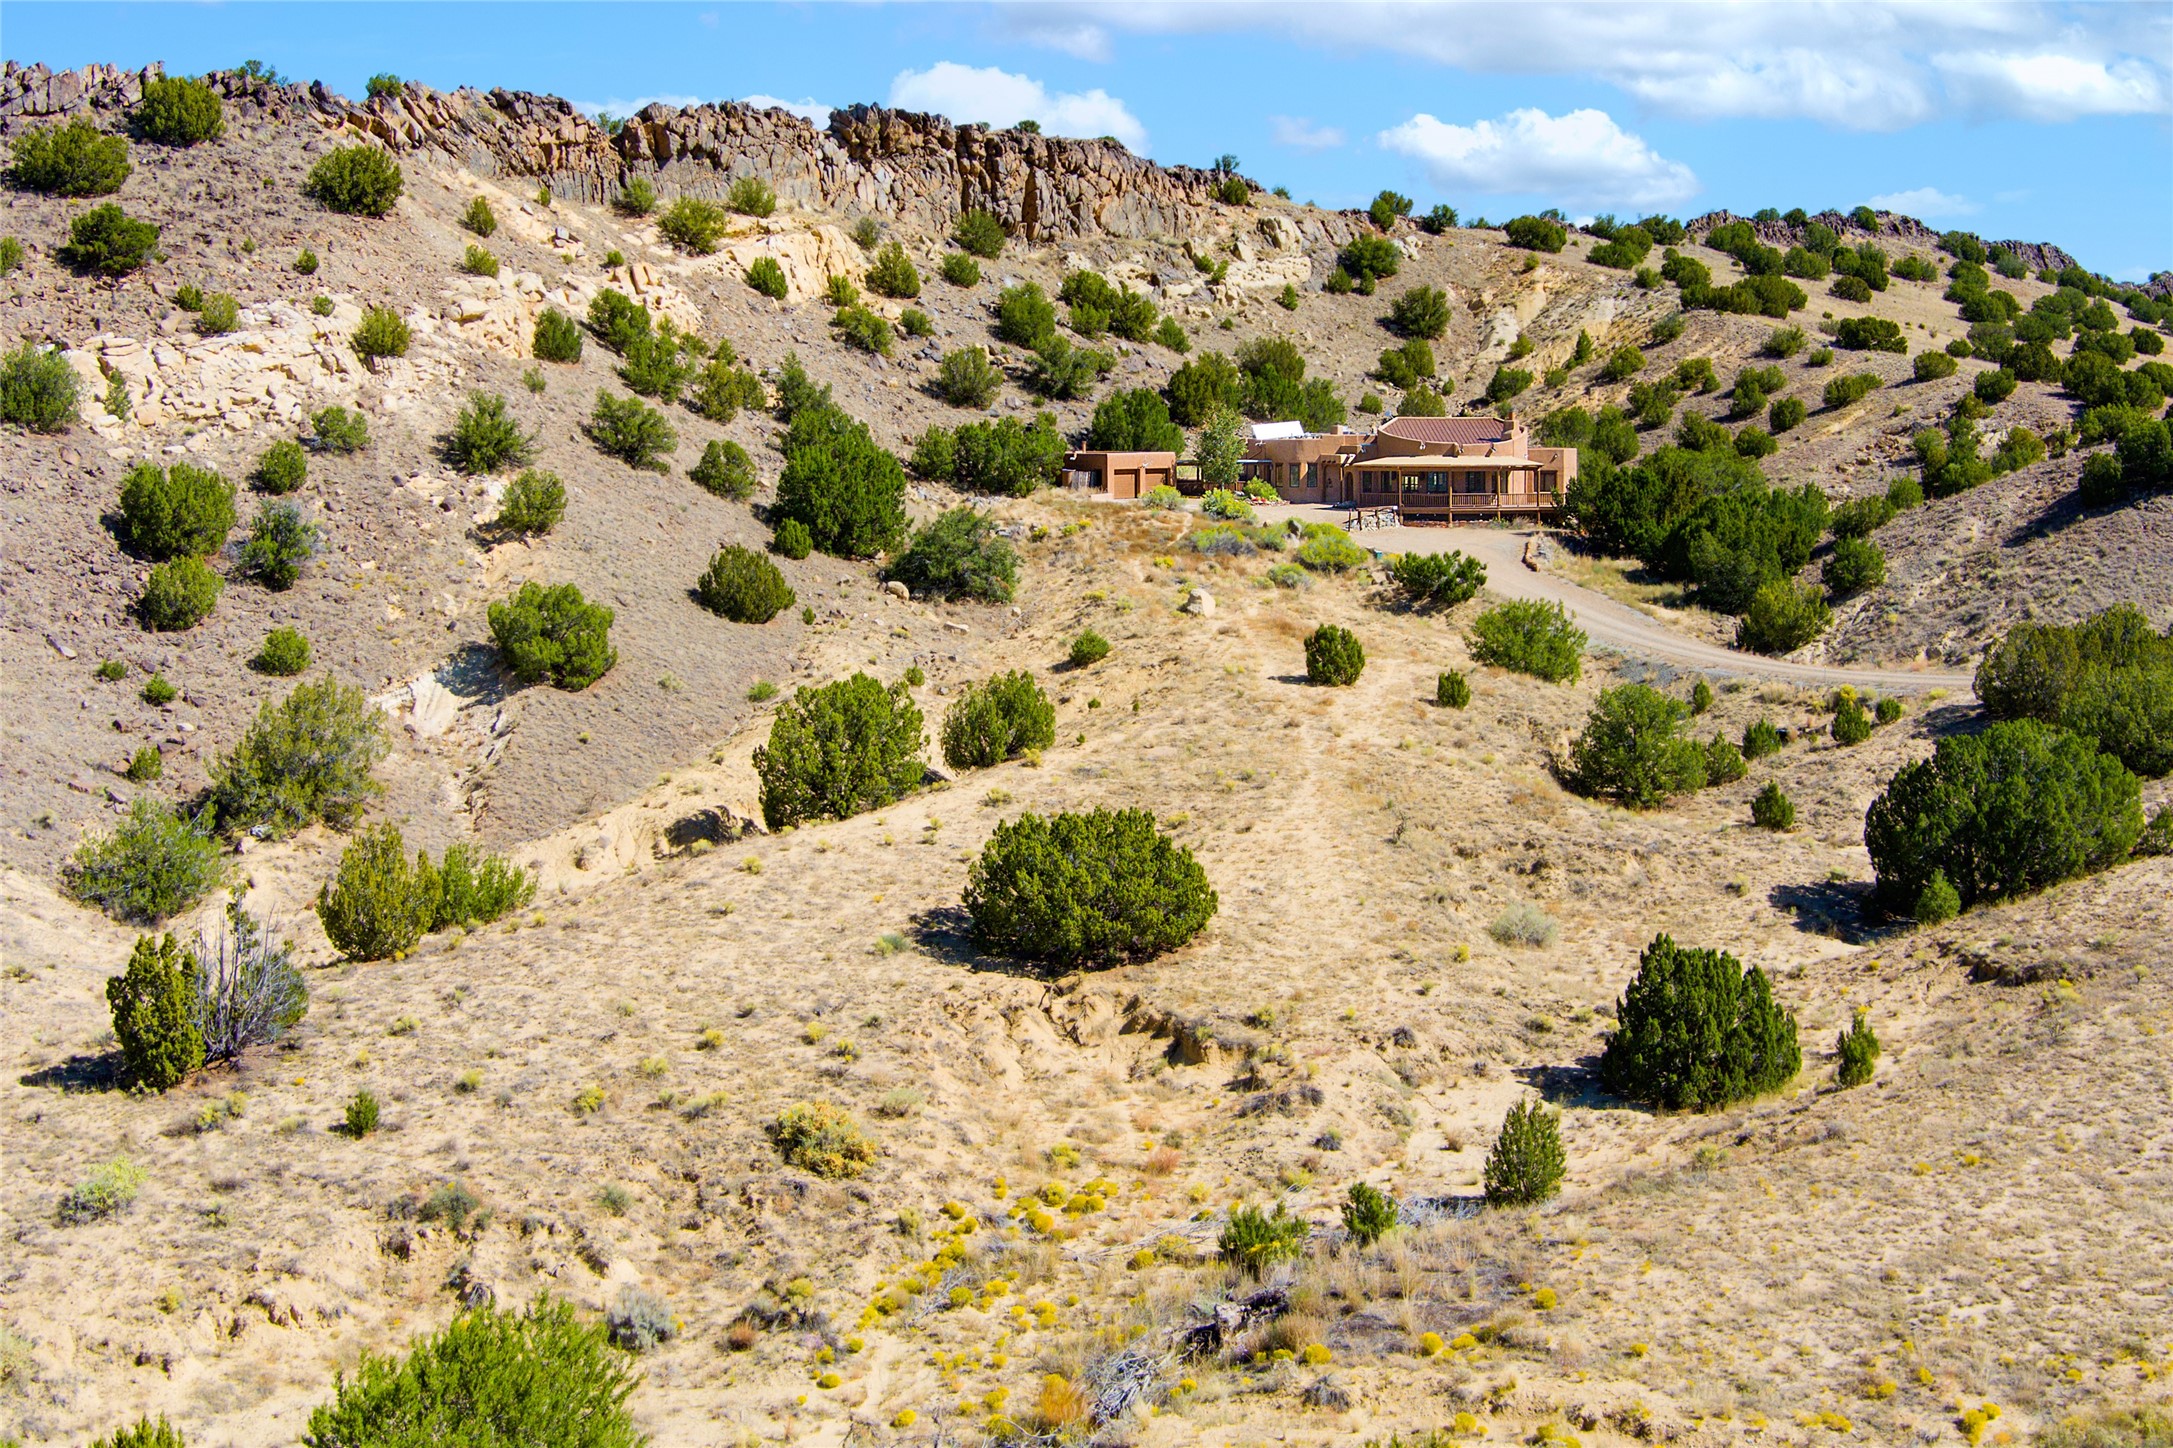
{"x":998,"y":98}
{"x":1300,"y":134}
{"x":2052,"y":87}
{"x":1082,"y":40}
{"x":1868,"y":65}
{"x":810,"y":110}
{"x":1925,"y":203}
{"x":624,"y":108}
{"x":1579,"y":159}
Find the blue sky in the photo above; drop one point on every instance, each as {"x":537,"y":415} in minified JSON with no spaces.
{"x":2030,"y":121}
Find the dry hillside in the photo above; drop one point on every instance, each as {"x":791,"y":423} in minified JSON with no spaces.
{"x":1988,"y":1222}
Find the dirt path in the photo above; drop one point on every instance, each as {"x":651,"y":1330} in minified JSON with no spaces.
{"x":1612,"y":624}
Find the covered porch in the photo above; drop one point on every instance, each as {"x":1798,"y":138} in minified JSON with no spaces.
{"x":1437,"y":488}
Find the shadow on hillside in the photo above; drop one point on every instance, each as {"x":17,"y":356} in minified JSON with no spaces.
{"x":1576,"y":1084}
{"x":1840,"y":909}
{"x":78,"y":1074}
{"x":2062,"y":513}
{"x":944,"y":934}
{"x":472,"y":675}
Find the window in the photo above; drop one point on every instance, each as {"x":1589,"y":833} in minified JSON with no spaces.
{"x":1437,"y":482}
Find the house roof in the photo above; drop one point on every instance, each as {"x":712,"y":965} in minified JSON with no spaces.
{"x":1263,"y":431}
{"x":1462,"y":430}
{"x":1436,"y":462}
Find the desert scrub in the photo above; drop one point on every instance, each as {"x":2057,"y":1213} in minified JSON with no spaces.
{"x":380,"y":333}
{"x":1530,"y":638}
{"x":1333,"y":656}
{"x":1253,"y":1240}
{"x":692,"y":224}
{"x":283,"y":654}
{"x":484,"y":439}
{"x":1087,"y":649}
{"x":1086,"y":889}
{"x":1632,"y":750}
{"x":553,"y":633}
{"x":1527,"y":1163}
{"x":479,"y":218}
{"x":106,"y":1192}
{"x":1441,"y":580}
{"x":1524,"y":924}
{"x":893,"y":274}
{"x":1696,"y":1030}
{"x":966,"y":378}
{"x":309,"y":757}
{"x":180,"y":512}
{"x":998,"y":720}
{"x":179,"y":594}
{"x":958,"y":554}
{"x":639,"y":1320}
{"x":793,"y":541}
{"x":107,"y":241}
{"x":751,"y":196}
{"x":960,"y":269}
{"x":154,"y":1014}
{"x":822,"y":1138}
{"x":478,"y":262}
{"x":38,"y":389}
{"x":979,"y":233}
{"x":1369,"y":1214}
{"x":558,"y":337}
{"x":543,"y":1376}
{"x":1856,"y":1052}
{"x":719,"y":390}
{"x":76,"y":159}
{"x":220,"y":314}
{"x":836,"y":750}
{"x":629,"y":430}
{"x":158,"y":693}
{"x":725,"y":470}
{"x":534,"y":503}
{"x":281,"y":468}
{"x":768,"y":278}
{"x":358,"y":180}
{"x":380,"y":903}
{"x":636,"y":198}
{"x":474,"y":887}
{"x":339,"y":431}
{"x":1452,"y":690}
{"x":742,"y":585}
{"x":145,"y":766}
{"x":280,"y":541}
{"x":1772,"y":809}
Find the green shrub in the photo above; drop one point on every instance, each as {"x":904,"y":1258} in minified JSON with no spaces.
{"x":1889,"y":710}
{"x":475,"y":887}
{"x":179,"y":594}
{"x":845,"y":488}
{"x":1937,"y":902}
{"x":280,"y":542}
{"x":1854,"y":565}
{"x":1443,"y":579}
{"x":629,"y":430}
{"x":1632,"y":750}
{"x":1088,"y":649}
{"x":484,"y":439}
{"x":2108,"y":679}
{"x":961,"y":270}
{"x":283,"y":654}
{"x":916,"y":323}
{"x":155,"y":863}
{"x":1869,"y":334}
{"x":558,"y":337}
{"x":720,"y":390}
{"x":863,"y":329}
{"x":1862,"y":517}
{"x":1328,"y":549}
{"x":145,"y":766}
{"x":106,"y":241}
{"x":725,"y":470}
{"x":1932,"y":366}
{"x":534,"y":503}
{"x":1696,"y":1030}
{"x":477,"y":262}
{"x":1851,"y":725}
{"x":742,"y":585}
{"x":1772,"y":809}
{"x":381,"y":333}
{"x":11,"y":254}
{"x":1420,"y":312}
{"x":839,"y":291}
{"x":493,"y":1379}
{"x":182,"y":512}
{"x":999,"y":720}
{"x":958,"y":555}
{"x":220,"y":315}
{"x":768,"y":278}
{"x":1723,"y":762}
{"x":1536,"y":233}
{"x":2008,"y":812}
{"x":1134,"y":420}
{"x":1783,"y":616}
{"x":792,"y":539}
{"x":306,"y":758}
{"x":1452,"y":690}
{"x":1529,"y":637}
{"x":339,"y":431}
{"x":380,"y":903}
{"x":305,"y":262}
{"x":38,"y":389}
{"x":1701,"y":697}
{"x":1857,"y":1052}
{"x":76,"y":159}
{"x":553,"y":633}
{"x":1091,"y":889}
{"x":980,"y":233}
{"x":1527,"y":1163}
{"x":281,"y":468}
{"x":1994,"y":387}
{"x":822,"y":1138}
{"x":748,"y":196}
{"x":1369,"y":1214}
{"x":893,"y":274}
{"x":636,"y":198}
{"x":1253,"y":1240}
{"x":967,"y":378}
{"x":618,"y":320}
{"x":1853,"y":387}
{"x":361,"y":1114}
{"x":145,"y":1434}
{"x":695,"y":226}
{"x":158,"y":693}
{"x":1025,"y":317}
{"x":359,"y":180}
{"x":479,"y":218}
{"x":836,"y":750}
{"x":1333,"y":656}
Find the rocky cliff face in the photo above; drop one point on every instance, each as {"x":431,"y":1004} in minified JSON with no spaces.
{"x":919,"y":170}
{"x":2036,"y":255}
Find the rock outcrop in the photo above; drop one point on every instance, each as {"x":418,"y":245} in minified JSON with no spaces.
{"x":1892,"y":225}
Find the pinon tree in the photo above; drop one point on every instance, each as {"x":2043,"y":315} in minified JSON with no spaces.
{"x":1696,"y":1030}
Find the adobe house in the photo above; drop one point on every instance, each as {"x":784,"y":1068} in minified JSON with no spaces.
{"x":1456,"y":469}
{"x":1119,"y":474}
{"x":1294,"y":462}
